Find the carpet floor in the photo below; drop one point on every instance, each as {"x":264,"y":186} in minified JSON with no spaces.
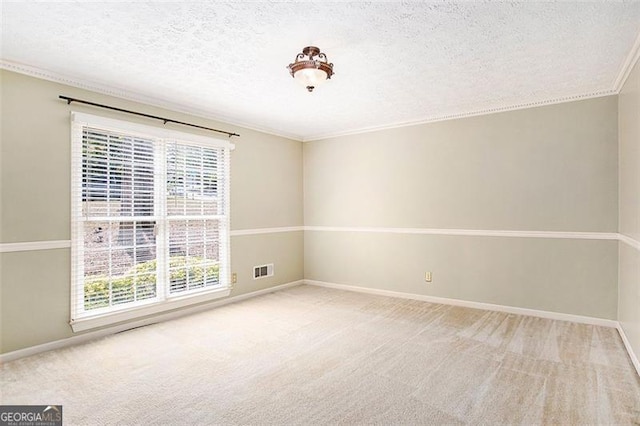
{"x":311,"y":355}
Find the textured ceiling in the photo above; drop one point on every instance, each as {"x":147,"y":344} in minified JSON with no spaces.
{"x":394,"y":62}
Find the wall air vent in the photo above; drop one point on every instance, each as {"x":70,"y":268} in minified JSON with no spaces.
{"x":263,"y":271}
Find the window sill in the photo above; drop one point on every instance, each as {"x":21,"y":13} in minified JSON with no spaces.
{"x":88,"y":323}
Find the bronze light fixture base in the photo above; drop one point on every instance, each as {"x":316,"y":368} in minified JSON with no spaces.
{"x":313,"y":59}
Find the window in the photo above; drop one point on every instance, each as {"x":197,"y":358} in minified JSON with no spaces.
{"x":150,"y":220}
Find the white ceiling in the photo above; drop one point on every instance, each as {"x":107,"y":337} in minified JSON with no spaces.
{"x":394,"y":62}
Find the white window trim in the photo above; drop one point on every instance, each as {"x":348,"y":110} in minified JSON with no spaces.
{"x":78,"y":121}
{"x":151,"y":309}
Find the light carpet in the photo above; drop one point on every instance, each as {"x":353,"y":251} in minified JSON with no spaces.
{"x":311,"y":355}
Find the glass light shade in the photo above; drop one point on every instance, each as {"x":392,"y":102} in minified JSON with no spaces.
{"x":310,"y":77}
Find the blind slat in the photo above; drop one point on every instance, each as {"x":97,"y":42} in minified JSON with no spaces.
{"x":145,"y":208}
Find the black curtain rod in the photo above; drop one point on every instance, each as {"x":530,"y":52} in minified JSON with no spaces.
{"x":166,"y":120}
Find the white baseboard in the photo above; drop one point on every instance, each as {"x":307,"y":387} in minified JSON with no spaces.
{"x":92,"y":335}
{"x":627,"y":345}
{"x":469,"y":304}
{"x":75,"y":340}
{"x":491,"y":307}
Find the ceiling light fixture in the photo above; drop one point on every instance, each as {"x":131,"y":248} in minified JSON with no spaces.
{"x":309,"y":71}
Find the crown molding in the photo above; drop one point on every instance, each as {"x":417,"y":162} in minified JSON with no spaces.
{"x":135,"y":97}
{"x":627,"y":66}
{"x":176,"y":107}
{"x":494,"y":110}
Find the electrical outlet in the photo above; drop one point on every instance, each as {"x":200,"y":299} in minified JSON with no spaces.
{"x":234,"y":278}
{"x":427,"y":277}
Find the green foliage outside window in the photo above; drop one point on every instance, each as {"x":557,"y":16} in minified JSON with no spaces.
{"x":139,"y":283}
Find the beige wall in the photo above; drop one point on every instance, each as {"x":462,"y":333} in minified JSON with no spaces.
{"x":629,"y":284}
{"x":266,"y":182}
{"x":560,"y":275}
{"x":551,"y":168}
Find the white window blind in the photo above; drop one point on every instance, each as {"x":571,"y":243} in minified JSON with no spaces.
{"x":150,"y":219}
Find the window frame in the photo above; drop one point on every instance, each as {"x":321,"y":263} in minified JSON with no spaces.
{"x":163,"y":301}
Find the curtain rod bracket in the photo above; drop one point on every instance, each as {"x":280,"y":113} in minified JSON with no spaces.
{"x":165,"y":120}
